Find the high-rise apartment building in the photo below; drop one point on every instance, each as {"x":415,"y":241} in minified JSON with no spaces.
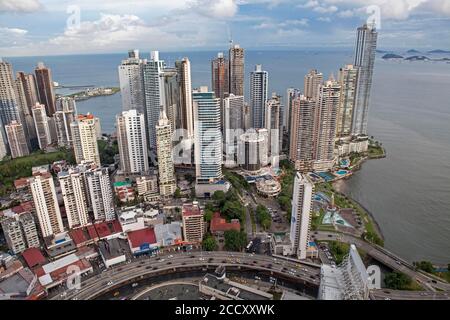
{"x":85,"y":134}
{"x":74,"y":195}
{"x":236,"y":70}
{"x":172,"y":97}
{"x":132,"y":142}
{"x":20,"y":232}
{"x":16,"y":139}
{"x":46,"y":93}
{"x":348,"y":80}
{"x":166,"y":170}
{"x":366,"y":45}
{"x":208,"y":137}
{"x":8,"y":101}
{"x":311,"y":85}
{"x":220,"y":77}
{"x":233,"y":127}
{"x":326,"y":123}
{"x":26,"y":93}
{"x":154,"y":94}
{"x":272,"y":124}
{"x":131,"y":82}
{"x":301,"y":215}
{"x":64,"y":117}
{"x":259,"y":86}
{"x":185,"y":114}
{"x":302,"y":134}
{"x":100,"y":193}
{"x":46,"y":204}
{"x":41,"y":126}
{"x":146,"y":184}
{"x":193,"y":223}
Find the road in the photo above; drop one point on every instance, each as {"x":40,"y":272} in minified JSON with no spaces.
{"x":139,"y":268}
{"x":408,"y":295}
{"x":387,"y":258}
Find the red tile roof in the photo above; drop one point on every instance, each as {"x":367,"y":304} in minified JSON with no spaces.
{"x":140,"y":237}
{"x":21,"y":183}
{"x":220,"y":224}
{"x":33,"y":257}
{"x":23,"y":207}
{"x":105,"y":229}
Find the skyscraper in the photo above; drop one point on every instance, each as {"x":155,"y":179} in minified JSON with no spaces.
{"x":193,"y":223}
{"x":291,"y":94}
{"x":46,"y":204}
{"x":259,"y":86}
{"x":74,"y":195}
{"x":172,"y":97}
{"x":366,"y":44}
{"x":312,"y":81}
{"x":301,"y":215}
{"x":132,"y":142}
{"x":8,"y":101}
{"x":166,"y":170}
{"x":131,"y":82}
{"x":326,"y":122}
{"x":208,"y":138}
{"x":16,"y":139}
{"x":233,"y":126}
{"x":348,"y":80}
{"x":272,"y":124}
{"x":64,"y":116}
{"x":100,"y":193}
{"x":220,"y":77}
{"x":41,"y":126}
{"x":85,"y":134}
{"x":236,"y":70}
{"x":185,"y":87}
{"x":27,"y":98}
{"x":154,"y":94}
{"x":302,"y":134}
{"x":46,"y":93}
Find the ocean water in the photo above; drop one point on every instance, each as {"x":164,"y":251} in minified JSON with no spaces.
{"x":408,"y":193}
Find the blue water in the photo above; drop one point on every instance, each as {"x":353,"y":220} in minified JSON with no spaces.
{"x":408,"y":192}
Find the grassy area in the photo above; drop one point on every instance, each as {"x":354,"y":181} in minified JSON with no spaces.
{"x":11,"y":170}
{"x":376,"y":152}
{"x":107,"y":151}
{"x":339,"y":250}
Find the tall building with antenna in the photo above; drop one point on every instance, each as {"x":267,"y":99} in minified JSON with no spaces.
{"x":236,"y":70}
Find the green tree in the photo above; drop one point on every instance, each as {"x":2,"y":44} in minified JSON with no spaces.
{"x":177,"y":193}
{"x":219,"y":197}
{"x":263,"y":217}
{"x":397,"y":281}
{"x":209,"y":243}
{"x":235,"y":240}
{"x":208,"y":215}
{"x":426,"y":266}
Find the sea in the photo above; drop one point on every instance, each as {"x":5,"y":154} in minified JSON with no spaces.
{"x":408,"y":192}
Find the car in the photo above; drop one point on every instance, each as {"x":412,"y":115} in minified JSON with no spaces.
{"x":171,"y":256}
{"x":330,"y":236}
{"x":110,"y":283}
{"x":134,"y":285}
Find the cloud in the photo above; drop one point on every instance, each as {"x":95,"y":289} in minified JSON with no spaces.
{"x":12,"y":36}
{"x":13,"y":31}
{"x":221,"y":9}
{"x":287,"y":24}
{"x":20,"y":6}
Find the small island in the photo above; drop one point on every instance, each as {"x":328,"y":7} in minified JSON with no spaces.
{"x":392,"y":56}
{"x":94,"y":92}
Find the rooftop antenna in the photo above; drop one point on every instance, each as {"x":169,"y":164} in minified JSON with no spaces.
{"x":230,"y":36}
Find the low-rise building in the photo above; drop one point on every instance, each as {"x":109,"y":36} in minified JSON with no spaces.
{"x":269,"y":188}
{"x":56,"y":272}
{"x":147,"y":184}
{"x":131,"y":219}
{"x":113,"y":251}
{"x":22,"y":285}
{"x":142,"y":241}
{"x":219,"y":225}
{"x":168,"y":234}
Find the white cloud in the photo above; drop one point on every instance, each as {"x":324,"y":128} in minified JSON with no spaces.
{"x":13,"y":31}
{"x":20,"y":5}
{"x":12,"y":36}
{"x":324,"y":19}
{"x":221,"y":9}
{"x":287,"y":24}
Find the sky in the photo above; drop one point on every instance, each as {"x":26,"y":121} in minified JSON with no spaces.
{"x":53,"y":27}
